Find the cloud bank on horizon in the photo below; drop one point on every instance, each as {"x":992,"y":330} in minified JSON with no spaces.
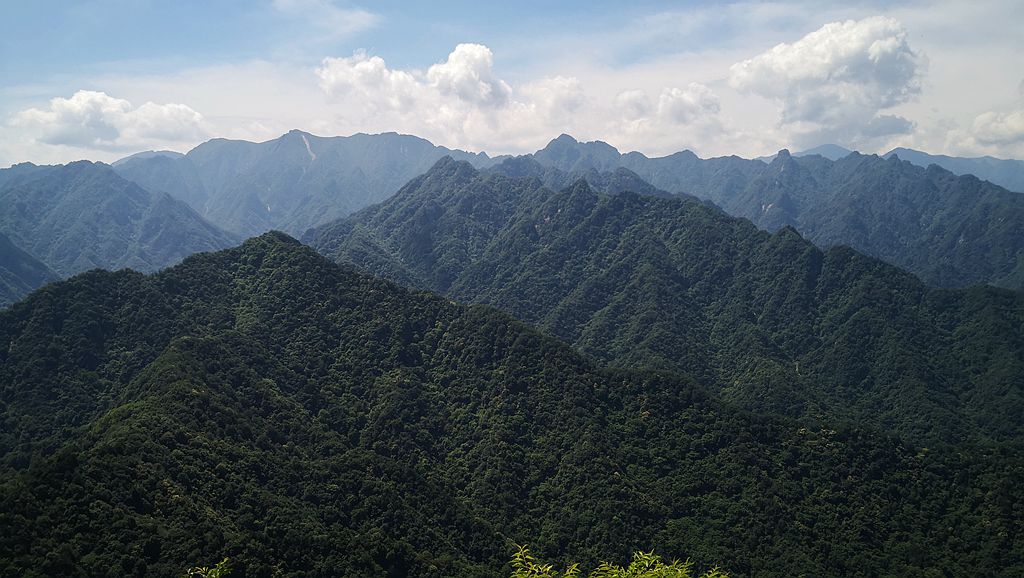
{"x":864,"y":83}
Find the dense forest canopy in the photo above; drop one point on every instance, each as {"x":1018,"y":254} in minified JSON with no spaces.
{"x":951,"y":230}
{"x":266,"y":405}
{"x":768,"y":321}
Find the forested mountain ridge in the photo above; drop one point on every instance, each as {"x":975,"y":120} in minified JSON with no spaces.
{"x":1007,"y":173}
{"x":950,"y":230}
{"x":20,"y":273}
{"x":265,"y":404}
{"x":613,"y":182}
{"x":83,"y":215}
{"x":291,"y":183}
{"x":770,"y":321}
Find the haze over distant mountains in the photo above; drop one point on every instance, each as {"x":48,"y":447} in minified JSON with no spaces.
{"x":1006,"y":173}
{"x":951,"y":230}
{"x":929,"y":221}
{"x":83,"y":215}
{"x":290,"y":183}
{"x":1003,"y":172}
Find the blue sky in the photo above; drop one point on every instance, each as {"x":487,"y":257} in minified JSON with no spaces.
{"x":106,"y":78}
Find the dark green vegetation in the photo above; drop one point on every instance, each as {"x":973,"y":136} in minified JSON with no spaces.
{"x":950,"y":230}
{"x":612,"y":182}
{"x":643,"y":565}
{"x":20,"y":272}
{"x":291,"y":183}
{"x":83,"y":215}
{"x":265,"y":404}
{"x":770,"y":321}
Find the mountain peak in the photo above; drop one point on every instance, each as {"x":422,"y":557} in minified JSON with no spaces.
{"x":449,"y":164}
{"x":832,"y":152}
{"x":276,"y":236}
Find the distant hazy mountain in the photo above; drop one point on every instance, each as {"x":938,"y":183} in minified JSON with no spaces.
{"x":616,"y":181}
{"x":166,"y":172}
{"x":83,"y":215}
{"x":831,"y":152}
{"x":290,"y":183}
{"x":20,"y":273}
{"x":674,"y":284}
{"x":1005,"y":173}
{"x":950,"y":230}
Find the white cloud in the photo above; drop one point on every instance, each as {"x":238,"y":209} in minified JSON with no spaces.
{"x":633,"y":104}
{"x":331,"y":21}
{"x":555,"y":98}
{"x":994,"y":128}
{"x":682,"y":106}
{"x":680,"y":118}
{"x":467,"y":74}
{"x":700,"y":77}
{"x":94,"y":120}
{"x":836,"y":80}
{"x":995,"y":133}
{"x":370,"y":78}
{"x":462,"y":102}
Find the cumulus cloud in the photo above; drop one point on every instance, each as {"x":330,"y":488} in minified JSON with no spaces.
{"x":462,"y":102}
{"x":679,"y":117}
{"x":554,"y":99}
{"x":95,"y":120}
{"x":370,"y":78}
{"x":467,"y":74}
{"x":995,"y":128}
{"x":996,"y":133}
{"x":837,"y":79}
{"x":633,"y":104}
{"x":682,"y":106}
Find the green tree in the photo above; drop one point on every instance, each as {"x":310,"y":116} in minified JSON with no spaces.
{"x":220,"y":570}
{"x":644,"y":565}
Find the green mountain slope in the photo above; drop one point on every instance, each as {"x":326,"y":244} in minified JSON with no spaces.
{"x":290,"y":183}
{"x":20,"y":273}
{"x":950,"y":230}
{"x":265,"y":404}
{"x":83,"y":215}
{"x":773,"y":322}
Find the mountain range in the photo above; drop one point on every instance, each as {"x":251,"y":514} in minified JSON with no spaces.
{"x":1003,"y":172}
{"x":83,"y":216}
{"x":770,"y":321}
{"x":587,"y":352}
{"x":950,"y":230}
{"x":300,"y":418}
{"x":290,"y":183}
{"x":932,"y":222}
{"x":1006,"y":173}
